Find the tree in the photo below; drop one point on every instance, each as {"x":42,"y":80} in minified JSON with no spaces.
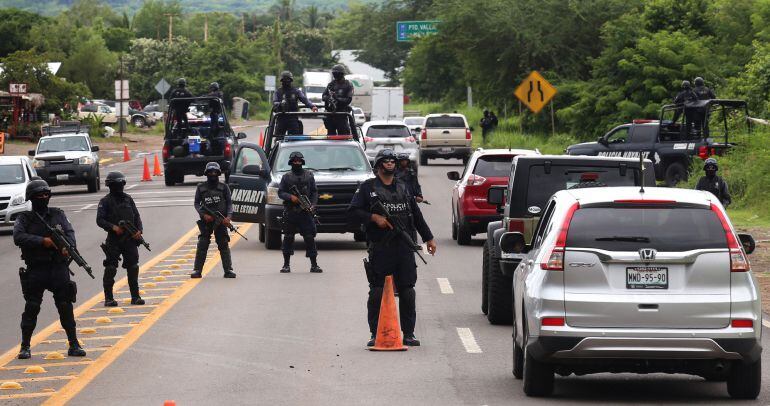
{"x":91,"y":62}
{"x":151,"y":20}
{"x":15,"y":29}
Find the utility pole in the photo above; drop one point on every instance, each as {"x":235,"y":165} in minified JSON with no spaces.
{"x":206,"y":28}
{"x":170,"y":26}
{"x":243,"y":23}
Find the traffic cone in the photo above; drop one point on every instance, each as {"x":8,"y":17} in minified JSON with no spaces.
{"x":146,"y":174}
{"x":388,"y":328}
{"x":156,"y":167}
{"x":261,"y":139}
{"x":126,"y":155}
{"x":169,"y":403}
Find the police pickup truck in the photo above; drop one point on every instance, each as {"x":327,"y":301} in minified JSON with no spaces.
{"x":665,"y":141}
{"x":338,"y":162}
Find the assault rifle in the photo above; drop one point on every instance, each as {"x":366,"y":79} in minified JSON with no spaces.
{"x":398,"y":227}
{"x":60,"y":242}
{"x":304,"y":203}
{"x":219,"y":218}
{"x":132,"y":230}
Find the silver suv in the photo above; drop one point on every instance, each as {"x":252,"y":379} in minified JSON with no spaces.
{"x":619,"y":280}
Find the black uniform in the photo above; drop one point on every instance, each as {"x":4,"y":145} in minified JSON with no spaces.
{"x":340,"y":93}
{"x":217,"y":198}
{"x":180,"y":109}
{"x":409,"y":177}
{"x":114,"y":208}
{"x":685,"y":98}
{"x":295,"y":220}
{"x":701,"y":118}
{"x":287,"y":100}
{"x":215,"y":114}
{"x":390,"y":254}
{"x":46,"y":270}
{"x":717,"y":186}
{"x":486,"y":125}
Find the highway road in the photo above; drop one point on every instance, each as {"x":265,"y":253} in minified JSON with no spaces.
{"x":299,"y":338}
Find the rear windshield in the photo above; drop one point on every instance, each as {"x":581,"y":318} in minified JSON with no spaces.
{"x":385,"y":131}
{"x":414,"y":120}
{"x":314,"y":89}
{"x":629,"y":229}
{"x":445,"y":122}
{"x":542,"y":186}
{"x":493,"y":166}
{"x":11,"y":174}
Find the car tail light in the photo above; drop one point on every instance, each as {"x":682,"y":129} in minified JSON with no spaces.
{"x":555,"y":261}
{"x":742,"y":323}
{"x":424,"y":134}
{"x":368,"y":139}
{"x":554,"y":321}
{"x":166,"y":152}
{"x":516,"y":225}
{"x":467,"y":134}
{"x":644,"y":121}
{"x":228,"y":150}
{"x":738,"y":260}
{"x":476,"y":180}
{"x":703,"y":152}
{"x":410,"y":139}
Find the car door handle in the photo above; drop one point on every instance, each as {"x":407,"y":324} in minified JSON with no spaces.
{"x":648,"y":307}
{"x":445,"y":132}
{"x":234,"y":184}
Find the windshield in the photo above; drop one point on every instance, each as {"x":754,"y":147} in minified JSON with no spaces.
{"x":356,"y":110}
{"x":314,"y":89}
{"x":414,"y":120}
{"x":328,"y":158}
{"x":59,"y":144}
{"x":445,"y":122}
{"x":493,"y":166}
{"x":11,"y":174}
{"x":542,"y":185}
{"x":385,"y":131}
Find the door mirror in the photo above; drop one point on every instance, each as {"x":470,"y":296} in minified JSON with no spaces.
{"x":241,"y":136}
{"x":471,"y":128}
{"x":417,"y":129}
{"x":603,"y":141}
{"x":749,"y":245}
{"x":95,"y":148}
{"x":31,"y":152}
{"x":496,"y":196}
{"x":453,"y":175}
{"x":252,"y":170}
{"x":513,"y":242}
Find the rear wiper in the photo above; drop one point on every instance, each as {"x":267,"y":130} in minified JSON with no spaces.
{"x":624,"y":238}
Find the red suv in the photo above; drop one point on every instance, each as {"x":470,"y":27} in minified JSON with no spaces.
{"x":470,"y":211}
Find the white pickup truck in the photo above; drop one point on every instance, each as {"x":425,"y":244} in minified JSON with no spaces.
{"x":445,"y":136}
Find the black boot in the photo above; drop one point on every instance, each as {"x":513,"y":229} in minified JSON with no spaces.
{"x":286,"y":268}
{"x":133,"y":285}
{"x":24,"y":352}
{"x":196,"y":274}
{"x":76,"y":350}
{"x":314,"y":268}
{"x":229,"y":273}
{"x":370,"y":343}
{"x":108,"y":282}
{"x":137,"y":300}
{"x":411,"y":341}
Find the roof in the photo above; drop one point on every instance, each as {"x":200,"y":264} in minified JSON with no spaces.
{"x":369,"y":124}
{"x":67,"y":134}
{"x":445,"y":115}
{"x":11,"y":159}
{"x":610,"y":194}
{"x":587,"y":158}
{"x":507,"y":151}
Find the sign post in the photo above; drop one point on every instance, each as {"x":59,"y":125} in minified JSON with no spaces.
{"x":536,"y":93}
{"x":270,"y":86}
{"x":162,"y":87}
{"x":121,"y":97}
{"x":409,"y":30}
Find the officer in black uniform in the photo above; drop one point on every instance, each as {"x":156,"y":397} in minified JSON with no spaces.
{"x":713,"y":183}
{"x":390,"y":254}
{"x":216,"y":112}
{"x":294,"y":218}
{"x":286,"y":100}
{"x":703,"y":93}
{"x":115,"y":207}
{"x":214,"y":195}
{"x":409,"y":176}
{"x":338,"y":96}
{"x":684,"y":98}
{"x":47,"y":267}
{"x":180,"y":109}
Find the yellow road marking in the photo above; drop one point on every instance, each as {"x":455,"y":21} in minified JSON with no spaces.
{"x":105,"y":160}
{"x":26,"y":395}
{"x":64,"y":340}
{"x":47,"y":365}
{"x":113,"y":316}
{"x":44,"y":378}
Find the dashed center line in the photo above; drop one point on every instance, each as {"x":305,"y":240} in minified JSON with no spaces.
{"x":443,"y":284}
{"x":468,"y":340}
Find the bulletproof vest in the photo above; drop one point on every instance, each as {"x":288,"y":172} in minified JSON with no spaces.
{"x":714,"y":185}
{"x":301,"y":181}
{"x":120,"y":209}
{"x":702,"y":92}
{"x":341,"y":90}
{"x":292,"y":98}
{"x":39,"y":254}
{"x":396,"y":201}
{"x":213,"y":197}
{"x":180,"y":93}
{"x":216,"y":107}
{"x":686,"y":96}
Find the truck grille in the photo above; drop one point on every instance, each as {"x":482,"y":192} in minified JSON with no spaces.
{"x":336,"y":194}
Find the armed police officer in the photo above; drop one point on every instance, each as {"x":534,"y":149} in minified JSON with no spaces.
{"x":180,"y":108}
{"x":297,"y":184}
{"x":713,"y":183}
{"x":286,"y":100}
{"x":118,"y":216}
{"x":684,"y":99}
{"x":702,"y":93}
{"x":47,"y":266}
{"x":214,"y":205}
{"x":337,"y":97}
{"x":215,"y":114}
{"x":390,"y":252}
{"x":409,"y":176}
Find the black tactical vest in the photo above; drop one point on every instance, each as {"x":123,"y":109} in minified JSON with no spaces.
{"x":396,"y":201}
{"x":302,"y":182}
{"x":120,"y":209}
{"x":40,"y":254}
{"x":213,"y":197}
{"x":292,"y":98}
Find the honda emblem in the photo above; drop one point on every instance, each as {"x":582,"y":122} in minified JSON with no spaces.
{"x":647,"y":254}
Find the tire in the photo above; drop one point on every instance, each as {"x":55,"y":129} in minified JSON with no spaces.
{"x":139,"y":122}
{"x":463,"y":234}
{"x":465,"y":160}
{"x":675,"y":173}
{"x":745,"y":380}
{"x":359,"y":236}
{"x":538,"y":376}
{"x":423,"y":160}
{"x":93,"y":184}
{"x":484,"y":277}
{"x":261,"y":233}
{"x":518,"y":356}
{"x":272,"y":239}
{"x":499,"y":293}
{"x":98,"y":180}
{"x":454,"y":229}
{"x":169,"y":178}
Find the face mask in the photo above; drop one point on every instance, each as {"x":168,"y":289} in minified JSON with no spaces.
{"x":711,"y":173}
{"x":212,"y":179}
{"x":40,"y":205}
{"x":116,"y":188}
{"x":338,"y":76}
{"x":286,"y":83}
{"x":296,"y":167}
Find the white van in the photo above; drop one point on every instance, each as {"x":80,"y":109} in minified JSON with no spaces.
{"x":15,"y":174}
{"x":314,"y":83}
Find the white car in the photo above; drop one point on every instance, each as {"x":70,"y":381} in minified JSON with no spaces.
{"x":395,"y":135}
{"x":359,"y":116}
{"x":415,"y":124}
{"x":15,"y":174}
{"x":69,"y":158}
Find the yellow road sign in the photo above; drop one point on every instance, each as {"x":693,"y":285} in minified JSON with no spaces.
{"x":535,"y":92}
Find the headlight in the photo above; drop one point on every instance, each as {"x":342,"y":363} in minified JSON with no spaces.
{"x":85,"y":160}
{"x":18,"y":200}
{"x":38,"y":163}
{"x":272,"y":195}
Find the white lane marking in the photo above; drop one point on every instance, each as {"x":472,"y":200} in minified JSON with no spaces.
{"x":443,"y":284}
{"x":469,"y":341}
{"x":86,"y":207}
{"x":766,"y":323}
{"x":132,"y":186}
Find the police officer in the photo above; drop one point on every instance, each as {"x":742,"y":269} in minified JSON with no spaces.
{"x":294,"y":218}
{"x":215,"y":196}
{"x":286,"y":100}
{"x":486,"y":125}
{"x":216,"y":112}
{"x":703,"y":93}
{"x":338,"y":96}
{"x":180,"y":108}
{"x":47,"y":267}
{"x":409,"y":176}
{"x":685,"y":97}
{"x":115,"y":207}
{"x":713,"y":183}
{"x":390,"y":254}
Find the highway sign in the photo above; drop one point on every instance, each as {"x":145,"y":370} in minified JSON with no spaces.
{"x":409,"y":30}
{"x":535,"y":92}
{"x":17,"y":89}
{"x":162,"y":87}
{"x":269,"y":83}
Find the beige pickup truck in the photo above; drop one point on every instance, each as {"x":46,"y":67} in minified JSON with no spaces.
{"x":445,"y":136}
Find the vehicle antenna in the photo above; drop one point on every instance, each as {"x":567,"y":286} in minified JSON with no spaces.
{"x":641,"y":169}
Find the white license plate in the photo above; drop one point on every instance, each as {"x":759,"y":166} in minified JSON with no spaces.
{"x":445,"y":150}
{"x":63,"y":177}
{"x":647,"y":277}
{"x":389,"y":146}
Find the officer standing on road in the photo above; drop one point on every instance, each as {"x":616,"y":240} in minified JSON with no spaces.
{"x":215,"y":196}
{"x":390,"y":254}
{"x":114,"y":208}
{"x":47,"y":267}
{"x":703,"y":93}
{"x":338,"y":96}
{"x":294,"y":218}
{"x":409,"y":177}
{"x":286,"y":100}
{"x":713,"y":183}
{"x":486,"y":125}
{"x":683,"y":98}
{"x":180,"y":109}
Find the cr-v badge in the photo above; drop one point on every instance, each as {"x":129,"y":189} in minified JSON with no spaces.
{"x":533,"y":209}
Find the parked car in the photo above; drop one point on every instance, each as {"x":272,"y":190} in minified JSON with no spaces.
{"x":445,"y":136}
{"x":154,"y":110}
{"x":68,"y":158}
{"x":103,"y":111}
{"x":359,"y":116}
{"x":415,"y":124}
{"x":15,"y":174}
{"x":141,"y":119}
{"x":630,"y":280}
{"x":393,"y":135}
{"x":471,"y":213}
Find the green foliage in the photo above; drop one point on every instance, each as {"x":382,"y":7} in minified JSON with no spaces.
{"x":91,"y":62}
{"x":15,"y":28}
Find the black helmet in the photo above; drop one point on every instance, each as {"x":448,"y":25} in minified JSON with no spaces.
{"x":212,"y":166}
{"x":386,"y":153}
{"x":685,"y":84}
{"x":181,"y":82}
{"x":214,"y":86}
{"x":296,"y":155}
{"x":711,"y":162}
{"x":402,"y":156}
{"x":35,"y":188}
{"x":338,"y":69}
{"x":114,"y":178}
{"x":698,"y":81}
{"x":286,"y":75}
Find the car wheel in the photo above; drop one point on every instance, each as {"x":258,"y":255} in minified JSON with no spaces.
{"x":359,"y":236}
{"x":499,"y":292}
{"x":454,"y":228}
{"x":463,"y":234}
{"x":745,"y":380}
{"x":93,"y":184}
{"x":261,"y":233}
{"x":675,"y":173}
{"x":518,"y":355}
{"x":423,"y":160}
{"x":169,"y":178}
{"x":272,"y":239}
{"x":484,"y":277}
{"x":139,"y":122}
{"x":98,"y":180}
{"x":538,"y":376}
{"x":465,"y":160}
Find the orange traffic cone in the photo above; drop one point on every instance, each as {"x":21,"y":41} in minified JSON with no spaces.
{"x":169,"y":403}
{"x":261,"y":139}
{"x":126,"y":156}
{"x":156,"y":167}
{"x":146,"y":174}
{"x":388,"y":328}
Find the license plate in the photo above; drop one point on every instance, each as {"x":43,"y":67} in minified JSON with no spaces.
{"x":62,"y":177}
{"x":445,"y":149}
{"x":646,"y":277}
{"x":389,"y":146}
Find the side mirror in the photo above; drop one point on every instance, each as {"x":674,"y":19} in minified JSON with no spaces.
{"x":602,"y":141}
{"x":749,"y":245}
{"x":471,"y":128}
{"x":94,"y":148}
{"x":453,"y":175}
{"x":496,"y":196}
{"x":513,"y":242}
{"x":241,"y":136}
{"x":31,"y":152}
{"x":252,"y":170}
{"x":417,"y":129}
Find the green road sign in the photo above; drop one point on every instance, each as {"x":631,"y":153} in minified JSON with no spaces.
{"x":408,"y":30}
